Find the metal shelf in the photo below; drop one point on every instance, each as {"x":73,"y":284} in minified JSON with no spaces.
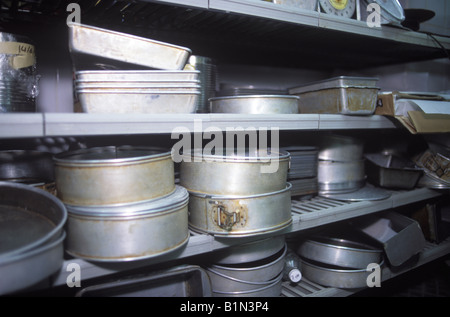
{"x":305,"y":214}
{"x":245,"y":31}
{"x":83,"y":124}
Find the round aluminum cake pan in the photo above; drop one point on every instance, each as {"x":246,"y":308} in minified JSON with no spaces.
{"x":339,"y":278}
{"x":113,"y":175}
{"x":340,"y":177}
{"x":250,"y":252}
{"x":28,"y":268}
{"x":29,"y":218}
{"x":240,"y":216}
{"x":234,"y":174}
{"x":252,"y":272}
{"x":340,"y":148}
{"x":129,"y":232}
{"x":136,"y":75}
{"x":255,"y":104}
{"x":339,"y":252}
{"x":272,"y":289}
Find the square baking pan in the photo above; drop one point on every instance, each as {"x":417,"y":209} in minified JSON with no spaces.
{"x":341,"y":95}
{"x":103,"y":44}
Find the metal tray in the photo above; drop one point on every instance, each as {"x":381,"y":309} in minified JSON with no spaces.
{"x":136,"y":75}
{"x":126,"y":48}
{"x":250,"y":252}
{"x":301,"y":4}
{"x":344,"y":95}
{"x":164,"y":85}
{"x":138,"y":100}
{"x":390,"y":171}
{"x":180,"y":281}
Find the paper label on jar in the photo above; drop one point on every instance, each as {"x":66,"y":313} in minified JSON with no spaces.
{"x":22,"y":54}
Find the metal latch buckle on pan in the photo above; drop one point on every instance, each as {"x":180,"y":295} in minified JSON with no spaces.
{"x":226,"y":219}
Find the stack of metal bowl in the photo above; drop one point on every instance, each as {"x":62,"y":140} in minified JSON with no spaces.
{"x":18,"y":79}
{"x":122,"y":202}
{"x":341,"y":165}
{"x":303,"y":170}
{"x":234,"y":194}
{"x":31,"y":236}
{"x":253,"y":269}
{"x":137,"y":91}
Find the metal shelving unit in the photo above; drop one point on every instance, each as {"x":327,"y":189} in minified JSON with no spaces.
{"x":303,"y":39}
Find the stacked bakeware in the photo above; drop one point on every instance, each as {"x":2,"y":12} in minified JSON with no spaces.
{"x":208,"y":80}
{"x":303,"y":170}
{"x":140,"y":91}
{"x":237,"y":194}
{"x":148,"y":75}
{"x":254,"y":269}
{"x":341,"y":165}
{"x":31,"y":236}
{"x":122,"y":203}
{"x":339,"y":261}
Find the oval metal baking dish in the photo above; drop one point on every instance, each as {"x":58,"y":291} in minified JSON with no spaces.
{"x":129,"y":232}
{"x":113,"y":175}
{"x":29,"y":218}
{"x":339,"y":252}
{"x":251,"y":173}
{"x":255,"y":104}
{"x":240,"y":216}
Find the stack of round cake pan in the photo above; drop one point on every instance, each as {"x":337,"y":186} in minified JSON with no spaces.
{"x":235,"y":276}
{"x":338,"y":262}
{"x":122,"y":203}
{"x":303,"y":170}
{"x":139,"y":91}
{"x":18,"y":79}
{"x":341,"y":165}
{"x":237,"y":194}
